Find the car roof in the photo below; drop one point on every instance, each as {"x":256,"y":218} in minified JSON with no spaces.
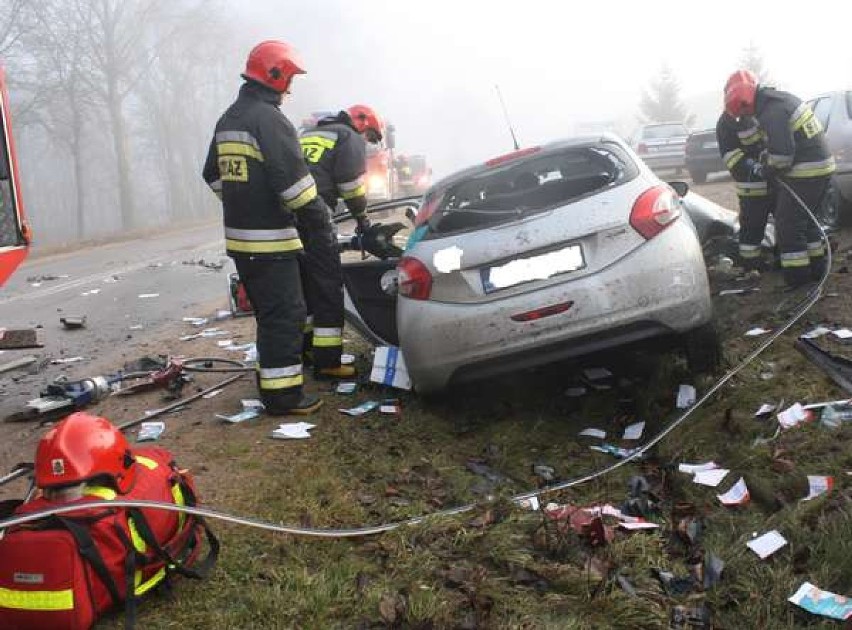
{"x":556,"y":145}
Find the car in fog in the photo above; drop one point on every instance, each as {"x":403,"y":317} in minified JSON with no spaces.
{"x":702,"y":155}
{"x":543,"y":254}
{"x":662,"y":146}
{"x":834,"y":111}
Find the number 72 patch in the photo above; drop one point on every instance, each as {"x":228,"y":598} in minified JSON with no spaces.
{"x":233,"y":168}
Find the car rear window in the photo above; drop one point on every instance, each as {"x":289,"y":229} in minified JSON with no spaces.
{"x":656,"y":132}
{"x":533,"y":184}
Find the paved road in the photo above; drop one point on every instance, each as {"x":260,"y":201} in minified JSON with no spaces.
{"x":104,"y":284}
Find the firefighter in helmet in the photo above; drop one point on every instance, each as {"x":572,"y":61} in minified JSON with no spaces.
{"x":256,"y":166}
{"x":336,"y":152}
{"x":796,"y":154}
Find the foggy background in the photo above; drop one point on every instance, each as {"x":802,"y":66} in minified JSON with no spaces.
{"x":114,"y":101}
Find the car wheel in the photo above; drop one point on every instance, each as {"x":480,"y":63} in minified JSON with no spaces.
{"x":703,"y":350}
{"x":698,"y":177}
{"x":830,"y":210}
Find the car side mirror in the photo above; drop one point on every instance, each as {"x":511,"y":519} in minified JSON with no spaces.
{"x":681,"y":188}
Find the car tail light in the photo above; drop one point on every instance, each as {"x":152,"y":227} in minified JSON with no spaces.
{"x":642,"y":148}
{"x":545,"y":311}
{"x":415,"y":281}
{"x":514,"y":155}
{"x":654,"y":211}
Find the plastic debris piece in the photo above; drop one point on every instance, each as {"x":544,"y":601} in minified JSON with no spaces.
{"x":686,"y":396}
{"x":738,"y":291}
{"x":819,"y":331}
{"x":737,"y":495}
{"x":764,"y":546}
{"x":292,"y":431}
{"x":794,"y":415}
{"x":252,"y":403}
{"x":361,"y":409}
{"x":67,"y":360}
{"x":390,"y":407}
{"x":711,"y":478}
{"x":691,"y":469}
{"x":765,"y":409}
{"x":246,"y":414}
{"x":820,"y":602}
{"x":592,"y":432}
{"x":213,"y":394}
{"x":346,"y":388}
{"x":146,"y":296}
{"x":818,"y":485}
{"x":638,"y":525}
{"x":347,"y":359}
{"x":634,"y":431}
{"x":223,"y":314}
{"x":575,"y":392}
{"x":195,"y":321}
{"x":532,"y":504}
{"x":756,"y":332}
{"x":842,"y":333}
{"x":72,"y":323}
{"x":616,"y":451}
{"x":225,"y":343}
{"x":150,"y":431}
{"x":91,"y":292}
{"x":136,"y":327}
{"x":389,"y":368}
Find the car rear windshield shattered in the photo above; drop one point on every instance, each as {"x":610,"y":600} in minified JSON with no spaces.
{"x":527,"y":186}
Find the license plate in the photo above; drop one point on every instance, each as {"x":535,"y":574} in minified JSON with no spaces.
{"x":711,"y":145}
{"x":540,"y":267}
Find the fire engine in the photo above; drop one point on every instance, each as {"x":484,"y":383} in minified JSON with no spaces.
{"x":14,"y":231}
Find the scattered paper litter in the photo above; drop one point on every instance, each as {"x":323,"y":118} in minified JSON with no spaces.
{"x":691,"y":469}
{"x":592,"y":432}
{"x":67,"y":360}
{"x":820,"y":602}
{"x":392,"y":409}
{"x":842,"y":333}
{"x":246,"y":414}
{"x":597,"y":374}
{"x":213,"y":394}
{"x":634,"y":431}
{"x":293,"y":431}
{"x":575,"y":392}
{"x":737,"y":495}
{"x":225,"y":343}
{"x":144,"y":296}
{"x":136,"y":327}
{"x":245,"y":347}
{"x":361,"y":409}
{"x":756,"y":332}
{"x":389,"y":368}
{"x":196,"y":321}
{"x":765,"y":408}
{"x":189,"y":337}
{"x":686,"y":396}
{"x":347,"y":359}
{"x":223,"y":314}
{"x":764,"y":546}
{"x":616,"y":451}
{"x":794,"y":415}
{"x":91,"y":292}
{"x":738,"y":291}
{"x":346,"y":388}
{"x":818,"y":485}
{"x":710,"y":478}
{"x":640,"y":525}
{"x":819,"y":331}
{"x":149,"y":431}
{"x":529,"y":504}
{"x":252,"y":403}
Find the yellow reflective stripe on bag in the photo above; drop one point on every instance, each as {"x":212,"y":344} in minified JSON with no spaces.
{"x":37,"y":600}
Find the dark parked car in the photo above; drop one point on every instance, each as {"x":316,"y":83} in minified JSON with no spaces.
{"x":834,"y":111}
{"x":702,"y":155}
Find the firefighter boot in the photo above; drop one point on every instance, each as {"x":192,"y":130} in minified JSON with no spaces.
{"x":339,"y":372}
{"x":308,"y":404}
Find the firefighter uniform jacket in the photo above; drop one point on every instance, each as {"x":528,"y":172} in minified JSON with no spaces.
{"x":337,"y":156}
{"x":255,"y":165}
{"x":740,"y":143}
{"x":795,"y":142}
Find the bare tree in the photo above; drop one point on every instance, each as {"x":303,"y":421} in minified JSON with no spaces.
{"x":662,"y":102}
{"x":752,"y":59}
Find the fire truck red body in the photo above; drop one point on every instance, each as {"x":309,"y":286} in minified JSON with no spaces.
{"x":14,"y":232}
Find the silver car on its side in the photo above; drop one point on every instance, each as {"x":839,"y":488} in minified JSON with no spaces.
{"x":540,"y":255}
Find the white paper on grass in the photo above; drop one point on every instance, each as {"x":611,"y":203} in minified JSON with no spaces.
{"x":737,"y":495}
{"x":592,"y":432}
{"x":710,"y":478}
{"x":634,"y":431}
{"x":765,"y":408}
{"x":389,"y":368}
{"x":756,"y":332}
{"x":224,"y":343}
{"x":691,"y":469}
{"x":686,"y":396}
{"x":764,"y":546}
{"x":842,"y":333}
{"x":793,"y":415}
{"x":819,"y":331}
{"x":638,"y":525}
{"x":213,"y":394}
{"x":293,"y":431}
{"x":597,"y":374}
{"x":818,"y":485}
{"x":347,"y":359}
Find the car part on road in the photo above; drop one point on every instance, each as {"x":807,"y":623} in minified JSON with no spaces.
{"x":839,"y":369}
{"x":17,"y":363}
{"x":21,"y":339}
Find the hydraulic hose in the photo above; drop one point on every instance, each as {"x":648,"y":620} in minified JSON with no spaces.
{"x":808,"y":302}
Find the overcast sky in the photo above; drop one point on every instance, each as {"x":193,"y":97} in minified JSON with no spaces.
{"x":430,"y":66}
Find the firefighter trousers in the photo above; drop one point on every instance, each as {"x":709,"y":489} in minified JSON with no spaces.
{"x":754,"y":214}
{"x":274,"y":288}
{"x":799,"y":239}
{"x":322,"y":276}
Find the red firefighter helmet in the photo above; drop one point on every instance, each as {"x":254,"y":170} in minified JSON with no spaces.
{"x":273,"y":64}
{"x":84,"y":447}
{"x":367,"y":120}
{"x":740,"y":91}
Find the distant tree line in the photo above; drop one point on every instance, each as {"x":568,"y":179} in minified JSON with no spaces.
{"x":113,"y":105}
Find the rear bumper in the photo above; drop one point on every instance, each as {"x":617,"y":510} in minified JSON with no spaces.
{"x":658,"y":289}
{"x":705,"y":163}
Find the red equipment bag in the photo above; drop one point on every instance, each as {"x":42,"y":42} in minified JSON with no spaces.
{"x":63,"y":572}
